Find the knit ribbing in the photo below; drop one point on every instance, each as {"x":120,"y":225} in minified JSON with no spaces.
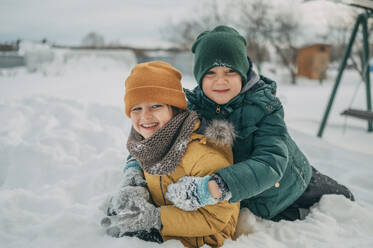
{"x":162,"y":152}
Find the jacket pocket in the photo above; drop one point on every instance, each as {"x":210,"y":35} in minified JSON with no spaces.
{"x":298,"y":171}
{"x":299,"y":163}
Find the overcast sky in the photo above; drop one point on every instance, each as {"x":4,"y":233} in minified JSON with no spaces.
{"x":67,"y":21}
{"x":127,"y":21}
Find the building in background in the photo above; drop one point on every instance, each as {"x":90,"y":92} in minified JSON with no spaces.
{"x":9,"y":56}
{"x":313,"y":61}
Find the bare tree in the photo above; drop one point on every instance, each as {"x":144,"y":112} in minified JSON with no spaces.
{"x":357,"y":55}
{"x":183,"y":33}
{"x":339,"y":30}
{"x":255,"y":20}
{"x":283,"y":38}
{"x":93,"y":39}
{"x":205,"y":16}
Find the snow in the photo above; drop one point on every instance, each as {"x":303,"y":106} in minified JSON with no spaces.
{"x":62,"y":147}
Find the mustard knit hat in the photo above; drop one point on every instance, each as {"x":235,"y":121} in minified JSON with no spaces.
{"x":154,"y":81}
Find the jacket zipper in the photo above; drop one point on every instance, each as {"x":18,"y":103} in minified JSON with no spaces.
{"x":160,"y":185}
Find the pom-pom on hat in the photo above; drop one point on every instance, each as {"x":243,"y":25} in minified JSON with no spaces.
{"x":154,"y":81}
{"x":222,"y":46}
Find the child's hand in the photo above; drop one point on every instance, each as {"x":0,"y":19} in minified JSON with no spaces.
{"x":139,"y":215}
{"x":190,"y":193}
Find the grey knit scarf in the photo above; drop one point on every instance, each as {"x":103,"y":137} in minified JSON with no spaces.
{"x":161,"y":153}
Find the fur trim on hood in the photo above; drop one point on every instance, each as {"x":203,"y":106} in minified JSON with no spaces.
{"x":221,"y":132}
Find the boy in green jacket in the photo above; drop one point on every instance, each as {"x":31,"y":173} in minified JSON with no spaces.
{"x":270,"y":175}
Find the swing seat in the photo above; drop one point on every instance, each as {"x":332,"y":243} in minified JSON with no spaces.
{"x":361,"y":114}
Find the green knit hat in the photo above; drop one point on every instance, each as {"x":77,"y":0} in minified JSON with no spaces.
{"x":222,"y":46}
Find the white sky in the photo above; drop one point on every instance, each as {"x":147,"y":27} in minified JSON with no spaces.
{"x":68,"y":21}
{"x":127,"y":21}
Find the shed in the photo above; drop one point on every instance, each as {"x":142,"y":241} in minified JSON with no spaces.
{"x":313,"y":61}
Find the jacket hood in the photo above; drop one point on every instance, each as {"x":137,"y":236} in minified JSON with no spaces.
{"x":252,"y":78}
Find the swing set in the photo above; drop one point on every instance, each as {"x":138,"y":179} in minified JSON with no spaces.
{"x":361,"y":20}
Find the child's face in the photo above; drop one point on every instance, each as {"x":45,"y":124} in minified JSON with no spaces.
{"x":148,"y":117}
{"x":221,"y":84}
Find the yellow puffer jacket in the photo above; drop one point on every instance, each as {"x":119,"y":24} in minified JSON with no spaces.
{"x":209,"y":225}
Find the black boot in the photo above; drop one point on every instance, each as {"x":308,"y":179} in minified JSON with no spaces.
{"x":319,"y":185}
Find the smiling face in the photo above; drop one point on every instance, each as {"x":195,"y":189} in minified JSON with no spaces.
{"x":148,"y":117}
{"x":221,"y":84}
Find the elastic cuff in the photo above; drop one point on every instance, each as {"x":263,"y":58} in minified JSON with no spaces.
{"x":132,"y":164}
{"x":204,"y":196}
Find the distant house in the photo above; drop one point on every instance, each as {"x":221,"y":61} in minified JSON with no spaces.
{"x":9,"y":56}
{"x":313,"y":61}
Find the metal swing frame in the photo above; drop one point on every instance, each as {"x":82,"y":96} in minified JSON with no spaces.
{"x":361,"y":20}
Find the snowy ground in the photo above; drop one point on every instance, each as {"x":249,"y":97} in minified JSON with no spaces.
{"x":62,"y":145}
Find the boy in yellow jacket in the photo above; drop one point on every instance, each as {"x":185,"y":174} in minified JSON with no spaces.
{"x":164,"y":141}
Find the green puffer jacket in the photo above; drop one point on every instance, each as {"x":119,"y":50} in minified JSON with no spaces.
{"x":270,"y":171}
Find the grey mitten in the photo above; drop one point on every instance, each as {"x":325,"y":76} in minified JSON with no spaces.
{"x":139,"y":215}
{"x":132,"y":176}
{"x":121,"y":199}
